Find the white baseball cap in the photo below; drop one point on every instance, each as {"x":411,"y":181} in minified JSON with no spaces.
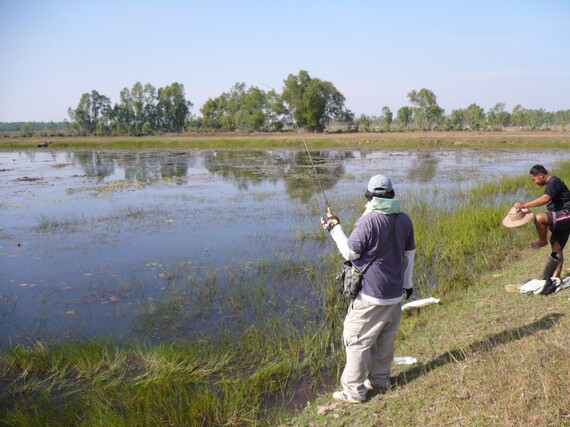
{"x":379,"y":182}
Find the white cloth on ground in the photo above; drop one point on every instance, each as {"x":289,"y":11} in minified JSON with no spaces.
{"x":535,"y":286}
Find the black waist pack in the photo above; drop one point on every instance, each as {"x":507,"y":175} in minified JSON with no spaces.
{"x":349,"y":280}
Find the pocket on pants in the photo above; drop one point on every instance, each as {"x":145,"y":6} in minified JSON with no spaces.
{"x":350,"y":339}
{"x":354,"y":323}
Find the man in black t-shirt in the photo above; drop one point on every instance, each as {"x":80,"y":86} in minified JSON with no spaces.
{"x":556,"y":197}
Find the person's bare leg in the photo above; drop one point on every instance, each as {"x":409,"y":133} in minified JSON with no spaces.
{"x":540,"y":222}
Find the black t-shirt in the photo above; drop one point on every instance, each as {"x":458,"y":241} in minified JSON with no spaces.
{"x":560,"y":194}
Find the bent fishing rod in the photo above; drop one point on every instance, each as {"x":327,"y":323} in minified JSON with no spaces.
{"x":298,"y":130}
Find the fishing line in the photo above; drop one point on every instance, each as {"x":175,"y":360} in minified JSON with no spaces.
{"x":310,"y":158}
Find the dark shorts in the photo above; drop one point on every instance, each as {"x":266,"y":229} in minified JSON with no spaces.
{"x":559,"y":224}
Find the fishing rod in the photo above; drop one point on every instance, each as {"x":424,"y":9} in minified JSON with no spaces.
{"x":310,"y":159}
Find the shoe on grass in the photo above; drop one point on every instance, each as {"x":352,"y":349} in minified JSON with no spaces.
{"x":371,"y":387}
{"x":341,"y":396}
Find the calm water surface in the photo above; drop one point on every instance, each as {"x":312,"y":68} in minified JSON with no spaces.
{"x":91,"y":242}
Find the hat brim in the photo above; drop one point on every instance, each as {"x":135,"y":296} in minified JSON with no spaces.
{"x":510,"y":223}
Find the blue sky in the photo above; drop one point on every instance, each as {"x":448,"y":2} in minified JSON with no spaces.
{"x":373,"y":51}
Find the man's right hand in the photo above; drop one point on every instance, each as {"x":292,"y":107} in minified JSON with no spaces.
{"x":331,"y":221}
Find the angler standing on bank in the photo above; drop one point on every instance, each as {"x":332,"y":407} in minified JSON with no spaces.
{"x":382,"y":246}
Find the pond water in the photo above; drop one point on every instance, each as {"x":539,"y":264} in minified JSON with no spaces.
{"x":92,"y":243}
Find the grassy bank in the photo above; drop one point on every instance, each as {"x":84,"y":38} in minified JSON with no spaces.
{"x":481,"y":344}
{"x":358,"y":140}
{"x":485,"y":358}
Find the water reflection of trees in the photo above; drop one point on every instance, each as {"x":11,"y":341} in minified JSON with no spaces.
{"x":293,"y":167}
{"x":142,"y":167}
{"x":243,"y":168}
{"x":424,"y":168}
{"x":301,"y":178}
{"x":95,"y":164}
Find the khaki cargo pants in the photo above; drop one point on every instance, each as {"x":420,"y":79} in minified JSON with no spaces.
{"x":369,"y":334}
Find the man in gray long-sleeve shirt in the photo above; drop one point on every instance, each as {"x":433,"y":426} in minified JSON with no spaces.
{"x":384,"y":232}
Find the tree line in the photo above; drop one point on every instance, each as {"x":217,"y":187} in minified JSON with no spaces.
{"x":311,"y":103}
{"x":28,"y":128}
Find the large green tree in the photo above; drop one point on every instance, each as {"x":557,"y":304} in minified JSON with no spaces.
{"x":173,"y":108}
{"x":427,"y":114}
{"x":314,"y":102}
{"x":276,"y":111}
{"x":474,"y":117}
{"x":244,"y":109}
{"x":212,"y":112}
{"x":404,"y":116}
{"x":91,"y":114}
{"x":123,"y":113}
{"x":386,"y":118}
{"x":364,"y":121}
{"x":144,"y":108}
{"x":456,"y":119}
{"x":498,"y":117}
{"x":136,"y":113}
{"x":518,"y":115}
